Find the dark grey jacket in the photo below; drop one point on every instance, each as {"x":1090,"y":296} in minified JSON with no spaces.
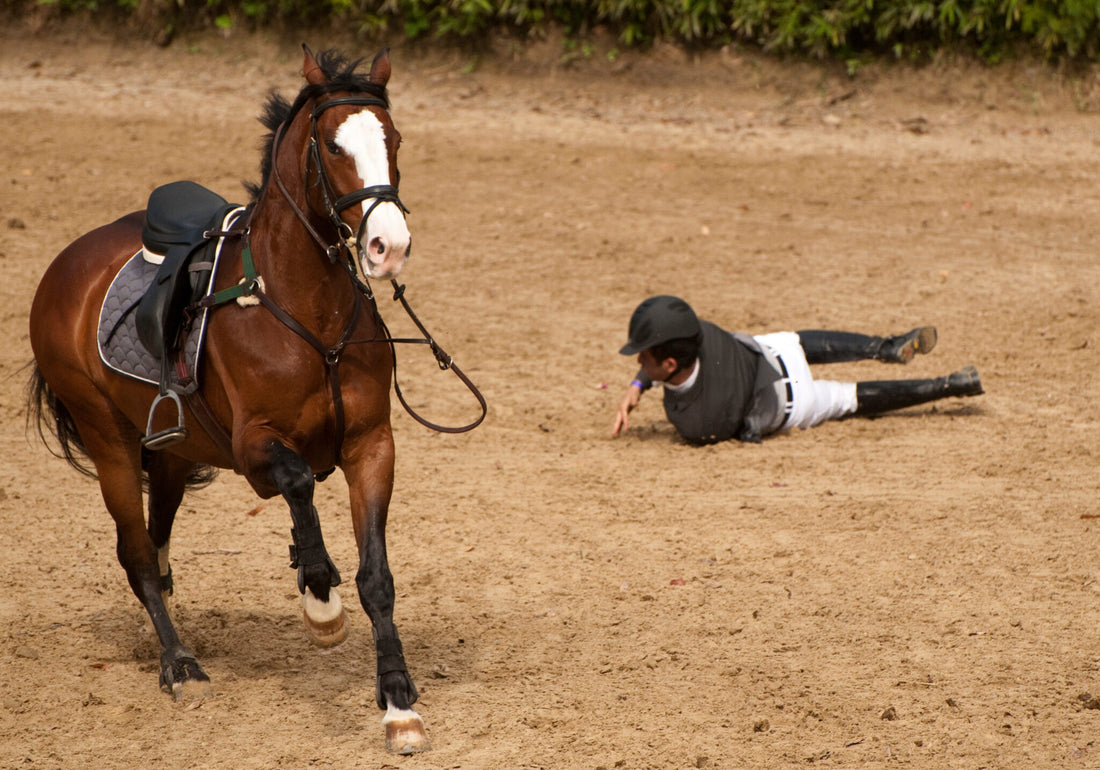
{"x":734,"y":395}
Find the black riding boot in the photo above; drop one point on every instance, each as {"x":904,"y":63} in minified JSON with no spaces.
{"x":886,"y":395}
{"x":828,"y":347}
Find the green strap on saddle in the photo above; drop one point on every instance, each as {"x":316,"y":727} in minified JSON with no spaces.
{"x":246,"y":288}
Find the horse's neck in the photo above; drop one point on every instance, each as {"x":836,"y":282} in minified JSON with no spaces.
{"x":295,"y":271}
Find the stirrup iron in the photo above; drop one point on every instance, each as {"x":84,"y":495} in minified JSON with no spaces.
{"x":168,"y":436}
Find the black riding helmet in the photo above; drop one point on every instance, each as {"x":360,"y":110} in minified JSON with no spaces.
{"x":660,"y":319}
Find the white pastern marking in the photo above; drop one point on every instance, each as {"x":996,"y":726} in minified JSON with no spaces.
{"x":394,"y":714}
{"x":162,"y":558}
{"x":322,"y":612}
{"x":363,"y":137}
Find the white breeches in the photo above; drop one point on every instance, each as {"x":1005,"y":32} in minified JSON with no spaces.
{"x":814,"y":401}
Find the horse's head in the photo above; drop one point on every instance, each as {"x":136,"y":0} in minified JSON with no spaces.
{"x":353,"y":163}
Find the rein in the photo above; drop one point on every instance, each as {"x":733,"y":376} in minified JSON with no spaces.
{"x":341,"y":252}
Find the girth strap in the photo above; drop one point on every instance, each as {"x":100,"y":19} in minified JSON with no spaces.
{"x":200,"y":408}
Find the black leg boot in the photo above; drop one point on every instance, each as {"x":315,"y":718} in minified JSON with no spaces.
{"x":887,"y":395}
{"x":829,"y":347}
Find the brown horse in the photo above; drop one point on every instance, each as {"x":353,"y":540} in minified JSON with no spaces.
{"x":294,"y":384}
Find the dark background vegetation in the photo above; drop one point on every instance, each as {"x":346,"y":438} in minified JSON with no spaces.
{"x":847,"y":30}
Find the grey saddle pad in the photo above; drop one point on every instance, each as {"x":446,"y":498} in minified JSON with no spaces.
{"x":122,"y":350}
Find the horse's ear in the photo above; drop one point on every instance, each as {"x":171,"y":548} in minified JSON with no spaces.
{"x":312,"y":72}
{"x":380,"y":68}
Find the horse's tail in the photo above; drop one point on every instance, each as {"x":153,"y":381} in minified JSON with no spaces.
{"x":48,"y":414}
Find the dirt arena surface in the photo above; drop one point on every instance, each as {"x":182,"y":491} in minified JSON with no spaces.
{"x":919,"y":589}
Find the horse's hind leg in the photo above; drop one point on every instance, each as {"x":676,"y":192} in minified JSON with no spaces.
{"x":118,"y":463}
{"x":168,"y":475}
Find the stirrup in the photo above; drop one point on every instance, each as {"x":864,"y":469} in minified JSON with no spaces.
{"x":168,"y":436}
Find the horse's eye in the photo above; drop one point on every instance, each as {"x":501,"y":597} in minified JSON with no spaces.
{"x":333,"y":147}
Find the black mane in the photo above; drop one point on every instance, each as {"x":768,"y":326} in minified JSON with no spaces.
{"x":341,"y":76}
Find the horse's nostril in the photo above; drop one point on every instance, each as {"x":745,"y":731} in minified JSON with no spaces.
{"x":378,"y":245}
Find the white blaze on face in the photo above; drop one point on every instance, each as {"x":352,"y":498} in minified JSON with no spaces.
{"x":385,"y":245}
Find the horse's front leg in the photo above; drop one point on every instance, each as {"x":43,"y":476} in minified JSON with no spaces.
{"x":368,"y":468}
{"x":324,"y":614}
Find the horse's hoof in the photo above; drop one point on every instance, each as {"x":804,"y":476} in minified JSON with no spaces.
{"x":326,"y":622}
{"x":182,"y":677}
{"x":192,"y":690}
{"x":405,"y":733}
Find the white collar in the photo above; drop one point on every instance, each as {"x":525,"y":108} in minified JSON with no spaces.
{"x":686,"y":385}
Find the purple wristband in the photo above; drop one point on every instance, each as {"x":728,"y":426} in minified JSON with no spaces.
{"x":638,"y":384}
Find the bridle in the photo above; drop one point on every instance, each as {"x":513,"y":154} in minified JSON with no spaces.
{"x":341,"y":253}
{"x":336,"y":204}
{"x":382,"y":193}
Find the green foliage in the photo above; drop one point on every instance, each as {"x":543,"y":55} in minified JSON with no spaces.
{"x":91,"y":5}
{"x":847,"y":30}
{"x":1068,"y":28}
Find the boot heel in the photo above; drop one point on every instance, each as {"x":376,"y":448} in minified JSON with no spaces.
{"x":965,"y":382}
{"x":901,"y":349}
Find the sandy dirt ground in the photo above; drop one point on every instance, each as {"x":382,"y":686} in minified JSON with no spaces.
{"x":920,"y":589}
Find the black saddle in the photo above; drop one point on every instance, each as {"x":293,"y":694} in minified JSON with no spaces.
{"x":181,"y":220}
